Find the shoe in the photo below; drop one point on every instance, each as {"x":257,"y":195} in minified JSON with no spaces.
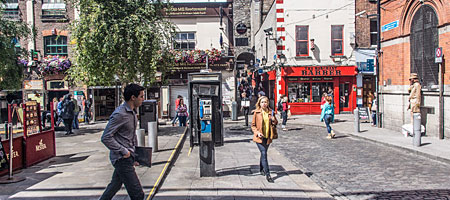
{"x":332,"y":134}
{"x":262,"y":172}
{"x":374,"y":125}
{"x":285,"y":129}
{"x":269,"y":179}
{"x":66,"y":133}
{"x":329,"y":136}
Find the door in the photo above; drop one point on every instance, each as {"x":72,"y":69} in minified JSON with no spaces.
{"x":176,"y":90}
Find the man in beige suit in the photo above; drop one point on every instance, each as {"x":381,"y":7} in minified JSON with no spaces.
{"x":415,"y":95}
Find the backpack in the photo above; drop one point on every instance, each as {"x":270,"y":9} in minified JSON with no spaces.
{"x":280,"y":106}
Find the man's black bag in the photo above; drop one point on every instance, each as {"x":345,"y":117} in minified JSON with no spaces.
{"x":144,"y":156}
{"x":280,"y":106}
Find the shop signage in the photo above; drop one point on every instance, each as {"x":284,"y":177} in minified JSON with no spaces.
{"x":41,"y":146}
{"x":321,"y":71}
{"x":316,"y":79}
{"x":389,"y":26}
{"x":241,"y":28}
{"x":304,"y":79}
{"x":3,"y":161}
{"x":186,"y":11}
{"x":438,"y":55}
{"x":363,"y":114}
{"x":33,"y":85}
{"x":199,"y":66}
{"x":293,"y":79}
{"x":327,"y":78}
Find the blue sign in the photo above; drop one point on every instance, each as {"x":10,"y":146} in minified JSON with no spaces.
{"x":367,"y":66}
{"x":389,"y":26}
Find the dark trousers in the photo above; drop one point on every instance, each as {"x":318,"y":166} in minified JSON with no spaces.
{"x":124,"y":173}
{"x":68,"y":125}
{"x":327,"y":119}
{"x":263,"y":162}
{"x":75,"y":123}
{"x":86,"y":116}
{"x":374,"y":117}
{"x":182,"y":120}
{"x":284,"y":116}
{"x":246,"y":111}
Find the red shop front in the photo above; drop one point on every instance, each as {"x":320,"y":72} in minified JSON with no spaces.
{"x":305,"y":85}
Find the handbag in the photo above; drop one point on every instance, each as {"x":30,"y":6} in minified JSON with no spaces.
{"x":144,"y":156}
{"x":273,"y":130}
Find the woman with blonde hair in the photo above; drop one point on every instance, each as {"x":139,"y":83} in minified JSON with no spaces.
{"x":328,"y":116}
{"x":264,"y":131}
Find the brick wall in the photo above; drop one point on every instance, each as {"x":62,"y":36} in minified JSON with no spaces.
{"x":362,"y":22}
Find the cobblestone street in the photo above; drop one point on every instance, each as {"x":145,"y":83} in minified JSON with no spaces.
{"x":348,"y":167}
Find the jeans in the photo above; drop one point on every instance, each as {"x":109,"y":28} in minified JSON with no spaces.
{"x":182,"y":120}
{"x":68,"y":125}
{"x":125,"y":173}
{"x":284,"y":116}
{"x":60,"y":119}
{"x":175,"y":118}
{"x":246,"y":111}
{"x":327,"y":119}
{"x":86,"y":116}
{"x":75,"y":123}
{"x":374,"y":117}
{"x":263,"y":163}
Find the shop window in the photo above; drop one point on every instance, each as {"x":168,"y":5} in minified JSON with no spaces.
{"x":55,"y":45}
{"x":373,"y":32}
{"x":302,"y":40}
{"x":53,"y":9}
{"x":337,"y":40}
{"x":305,"y":92}
{"x":184,"y":41}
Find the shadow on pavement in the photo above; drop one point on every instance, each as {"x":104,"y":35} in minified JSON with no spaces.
{"x":237,"y":141}
{"x":253,"y":170}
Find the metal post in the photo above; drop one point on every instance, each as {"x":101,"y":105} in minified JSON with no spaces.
{"x":153,"y":136}
{"x":441,"y":102}
{"x":416,"y":129}
{"x":234,"y":110}
{"x":140,"y":135}
{"x":207,"y":62}
{"x":11,"y":153}
{"x":356,"y":114}
{"x":377,"y":76}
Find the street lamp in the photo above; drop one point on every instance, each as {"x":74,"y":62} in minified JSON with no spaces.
{"x":281,"y":60}
{"x":264,"y":60}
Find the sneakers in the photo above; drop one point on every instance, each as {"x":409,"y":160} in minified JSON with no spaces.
{"x":269,"y":178}
{"x":285,"y":129}
{"x":329,"y":136}
{"x":333,"y":134}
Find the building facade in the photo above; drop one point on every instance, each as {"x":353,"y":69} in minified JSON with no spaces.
{"x":307,"y":49}
{"x":411,"y":31}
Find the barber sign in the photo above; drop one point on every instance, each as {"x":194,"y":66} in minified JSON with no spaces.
{"x":438,"y":55}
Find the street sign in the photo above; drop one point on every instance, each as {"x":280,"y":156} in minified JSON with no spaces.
{"x":438,"y":55}
{"x":389,"y":26}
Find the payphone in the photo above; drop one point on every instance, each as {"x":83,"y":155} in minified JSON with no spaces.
{"x":206,"y":121}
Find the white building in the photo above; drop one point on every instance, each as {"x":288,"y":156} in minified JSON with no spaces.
{"x":317,"y":40}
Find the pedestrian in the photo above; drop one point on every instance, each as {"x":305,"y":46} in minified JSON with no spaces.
{"x":374,"y":110}
{"x":55,"y":108}
{"x":324,"y":100}
{"x":245,"y":102}
{"x":264,"y":131}
{"x":59,"y":108}
{"x":76,"y":111}
{"x":330,"y":93}
{"x":415,"y":95}
{"x":370,"y":98}
{"x":120,"y":138}
{"x":284,"y":108}
{"x":182,"y":113}
{"x":67,"y":113}
{"x":87,"y":111}
{"x":177,"y":103}
{"x":328,"y":116}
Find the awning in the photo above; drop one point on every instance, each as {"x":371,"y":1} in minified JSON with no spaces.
{"x":53,"y":6}
{"x":11,"y":6}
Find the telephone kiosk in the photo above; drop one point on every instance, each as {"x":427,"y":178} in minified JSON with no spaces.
{"x":206,"y":123}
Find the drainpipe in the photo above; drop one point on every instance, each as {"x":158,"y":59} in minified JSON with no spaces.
{"x":377,"y":77}
{"x":441,"y":100}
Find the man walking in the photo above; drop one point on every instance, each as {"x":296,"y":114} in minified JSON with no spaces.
{"x":87,"y":111}
{"x":245,"y":106}
{"x":120,"y":138}
{"x":67,"y":113}
{"x":76,"y":111}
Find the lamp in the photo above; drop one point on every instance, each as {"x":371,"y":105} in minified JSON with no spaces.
{"x":282,"y":59}
{"x":264,"y":60}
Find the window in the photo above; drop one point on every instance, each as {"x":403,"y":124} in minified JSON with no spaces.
{"x":306,"y":92}
{"x":53,"y":9}
{"x":184,"y":41}
{"x":11,"y":10}
{"x":337,"y":40}
{"x":55,"y":45}
{"x":373,"y":32}
{"x":302,"y":41}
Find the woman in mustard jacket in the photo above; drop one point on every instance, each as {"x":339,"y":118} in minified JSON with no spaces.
{"x":264,"y":131}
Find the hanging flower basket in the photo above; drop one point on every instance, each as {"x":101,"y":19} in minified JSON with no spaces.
{"x":196,"y":56}
{"x":54,"y":65}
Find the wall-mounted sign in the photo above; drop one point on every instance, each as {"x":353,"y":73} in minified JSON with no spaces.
{"x":389,"y":26}
{"x":241,"y":28}
{"x":186,"y":11}
{"x":33,"y":85}
{"x":319,"y":71}
{"x":241,"y":41}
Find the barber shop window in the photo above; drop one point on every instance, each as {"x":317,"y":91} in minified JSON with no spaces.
{"x":55,"y":45}
{"x":306,"y":92}
{"x":53,"y":9}
{"x":337,"y":40}
{"x":302,"y":40}
{"x":184,"y":41}
{"x":11,"y":10}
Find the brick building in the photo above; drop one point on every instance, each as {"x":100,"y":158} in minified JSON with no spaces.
{"x":410,"y":33}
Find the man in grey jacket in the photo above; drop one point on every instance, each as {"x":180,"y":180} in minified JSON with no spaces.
{"x":120,"y":138}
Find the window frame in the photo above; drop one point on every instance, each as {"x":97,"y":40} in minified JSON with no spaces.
{"x":332,"y":40}
{"x":299,"y":40}
{"x":310,"y":83}
{"x":53,"y":13}
{"x":371,"y":32}
{"x":55,"y":45}
{"x":179,"y":40}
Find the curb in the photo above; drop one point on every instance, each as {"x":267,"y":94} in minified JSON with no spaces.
{"x":168,"y":165}
{"x":404,"y":149}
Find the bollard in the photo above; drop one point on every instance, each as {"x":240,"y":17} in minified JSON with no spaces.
{"x":417,"y":134}
{"x":234,"y":110}
{"x":153,"y":136}
{"x":356,"y":114}
{"x":140,"y":134}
